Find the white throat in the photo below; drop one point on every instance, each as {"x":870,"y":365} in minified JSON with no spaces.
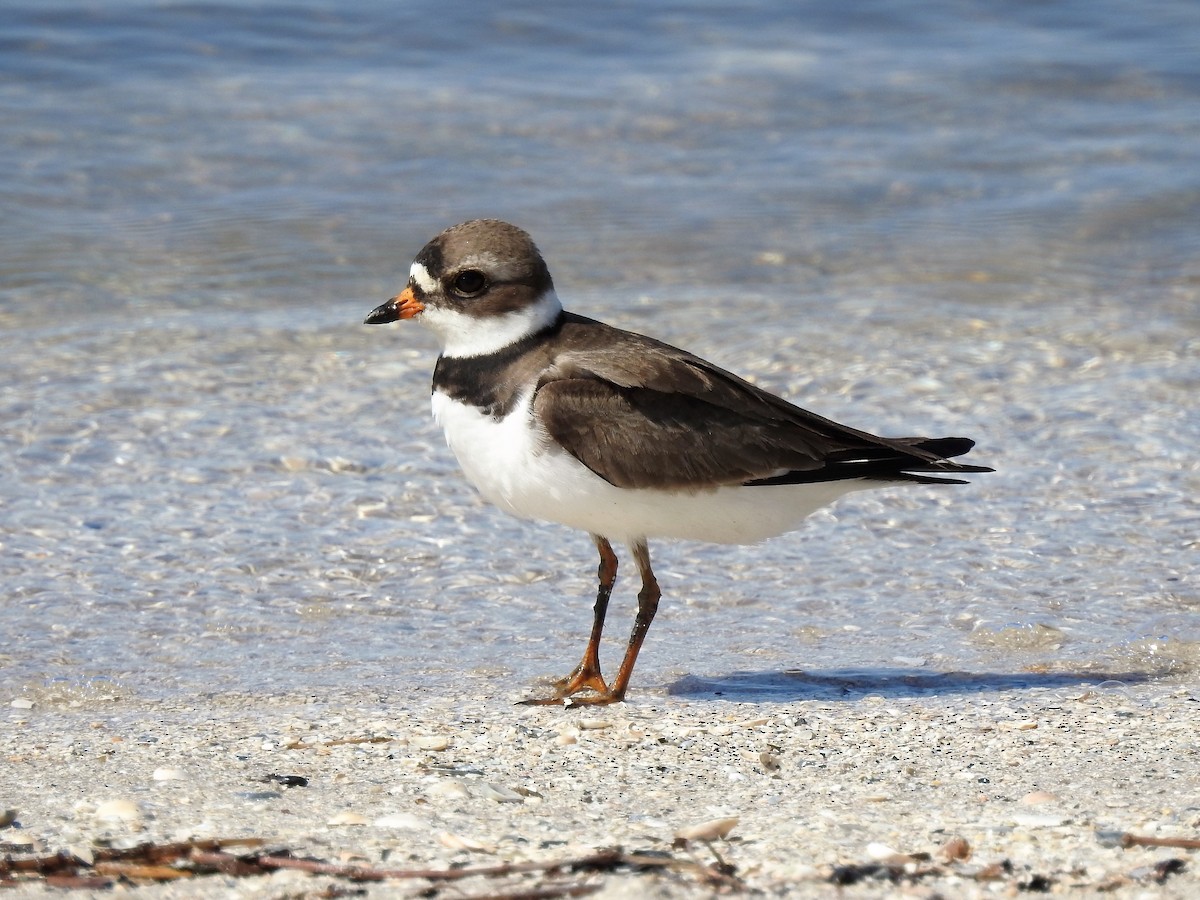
{"x":463,"y":334}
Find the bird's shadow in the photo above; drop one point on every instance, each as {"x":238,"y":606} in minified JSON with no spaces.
{"x":853,"y":684}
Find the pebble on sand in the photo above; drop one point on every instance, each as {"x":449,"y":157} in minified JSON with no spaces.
{"x":714,"y":829}
{"x":432,"y":742}
{"x":347,"y":818}
{"x":1037,"y":798}
{"x":118,"y":811}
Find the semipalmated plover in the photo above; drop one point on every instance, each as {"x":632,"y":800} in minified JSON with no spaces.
{"x":559,"y":417}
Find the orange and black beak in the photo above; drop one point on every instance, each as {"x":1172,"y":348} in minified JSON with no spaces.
{"x":404,"y":305}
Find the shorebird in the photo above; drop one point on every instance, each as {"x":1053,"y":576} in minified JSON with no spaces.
{"x":558,"y":417}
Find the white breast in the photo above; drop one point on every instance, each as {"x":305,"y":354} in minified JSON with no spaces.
{"x":518,"y":467}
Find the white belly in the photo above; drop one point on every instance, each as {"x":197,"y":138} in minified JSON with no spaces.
{"x":520,"y":469}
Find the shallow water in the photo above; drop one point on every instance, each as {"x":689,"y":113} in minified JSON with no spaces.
{"x":939,"y":219}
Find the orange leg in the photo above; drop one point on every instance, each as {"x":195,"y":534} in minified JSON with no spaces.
{"x":648,"y":599}
{"x":586,"y":675}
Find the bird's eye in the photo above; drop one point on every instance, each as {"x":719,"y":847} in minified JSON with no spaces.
{"x":469,"y":283}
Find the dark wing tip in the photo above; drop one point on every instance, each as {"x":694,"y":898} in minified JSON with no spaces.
{"x":959,"y":467}
{"x":931,"y":464}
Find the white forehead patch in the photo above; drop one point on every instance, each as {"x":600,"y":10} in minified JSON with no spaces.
{"x":420,"y":275}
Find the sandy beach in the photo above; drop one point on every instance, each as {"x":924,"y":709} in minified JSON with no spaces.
{"x":259,"y":638}
{"x":880,"y":791}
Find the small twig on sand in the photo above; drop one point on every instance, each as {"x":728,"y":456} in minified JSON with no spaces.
{"x":1137,"y":840}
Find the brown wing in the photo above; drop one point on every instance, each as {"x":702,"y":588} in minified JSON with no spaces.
{"x":645,"y":414}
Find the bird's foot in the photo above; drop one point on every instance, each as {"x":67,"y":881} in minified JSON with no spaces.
{"x":597,"y":698}
{"x":584,"y":678}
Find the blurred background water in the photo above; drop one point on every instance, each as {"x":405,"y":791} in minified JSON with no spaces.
{"x":947,"y":217}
